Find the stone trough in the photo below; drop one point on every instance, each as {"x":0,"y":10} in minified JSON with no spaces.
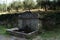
{"x":19,"y":33}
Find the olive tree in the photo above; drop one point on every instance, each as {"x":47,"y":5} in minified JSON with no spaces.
{"x":29,"y":4}
{"x":16,"y":5}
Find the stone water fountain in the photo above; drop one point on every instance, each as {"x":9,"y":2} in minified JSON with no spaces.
{"x":28,"y":25}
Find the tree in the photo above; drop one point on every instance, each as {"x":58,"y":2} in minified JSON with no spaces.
{"x":8,"y":8}
{"x":54,"y":4}
{"x":29,"y":4}
{"x":2,"y":7}
{"x":16,"y":5}
{"x":39,"y":3}
{"x":43,"y":4}
{"x":47,"y":4}
{"x":58,"y":4}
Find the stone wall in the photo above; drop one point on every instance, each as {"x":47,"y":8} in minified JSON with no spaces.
{"x":34,"y":24}
{"x":28,"y":19}
{"x":8,"y":20}
{"x":48,"y":20}
{"x":51,"y":21}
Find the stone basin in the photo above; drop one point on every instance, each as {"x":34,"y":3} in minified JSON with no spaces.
{"x":21,"y":33}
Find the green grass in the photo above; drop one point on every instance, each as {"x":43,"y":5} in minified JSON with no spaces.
{"x":48,"y":34}
{"x":3,"y":30}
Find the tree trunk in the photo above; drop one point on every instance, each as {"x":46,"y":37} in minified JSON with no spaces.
{"x":45,"y":7}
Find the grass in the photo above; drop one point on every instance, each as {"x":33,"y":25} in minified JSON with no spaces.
{"x":51,"y":35}
{"x":44,"y":36}
{"x":3,"y":30}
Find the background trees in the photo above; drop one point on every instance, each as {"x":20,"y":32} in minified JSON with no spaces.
{"x":16,"y":5}
{"x":58,"y":5}
{"x":2,"y":7}
{"x":30,"y":4}
{"x":39,"y":3}
{"x":43,"y":4}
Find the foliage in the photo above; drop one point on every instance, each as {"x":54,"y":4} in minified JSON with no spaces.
{"x":29,"y":4}
{"x":8,"y":8}
{"x":2,"y":7}
{"x":2,"y":30}
{"x":16,"y":5}
{"x":39,"y":3}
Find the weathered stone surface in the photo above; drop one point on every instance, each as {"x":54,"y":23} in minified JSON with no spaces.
{"x":28,"y":23}
{"x":29,"y":19}
{"x":28,"y":15}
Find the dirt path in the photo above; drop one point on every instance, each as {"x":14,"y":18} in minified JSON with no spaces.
{"x":2,"y":37}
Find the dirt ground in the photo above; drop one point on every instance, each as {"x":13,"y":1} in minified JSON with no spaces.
{"x":2,"y":37}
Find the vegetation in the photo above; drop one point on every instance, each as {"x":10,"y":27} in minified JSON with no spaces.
{"x":30,"y":4}
{"x":3,"y":30}
{"x":16,"y":5}
{"x":2,"y":7}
